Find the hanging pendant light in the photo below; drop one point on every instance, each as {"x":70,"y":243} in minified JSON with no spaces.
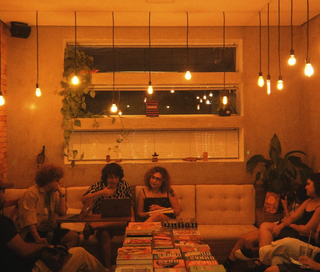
{"x":188,"y":74}
{"x":38,"y":91}
{"x":308,"y":69}
{"x":268,"y":76}
{"x":114,"y":107}
{"x":280,"y":81}
{"x":2,"y":101}
{"x":150,"y":88}
{"x":75,"y":79}
{"x":225,"y":99}
{"x":292,"y":60}
{"x":260,"y":79}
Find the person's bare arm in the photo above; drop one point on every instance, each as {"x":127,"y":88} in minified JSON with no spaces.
{"x":174,"y":203}
{"x":33,"y":231}
{"x":23,"y":249}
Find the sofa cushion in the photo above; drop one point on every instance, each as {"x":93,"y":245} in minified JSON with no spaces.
{"x":224,"y":232}
{"x":74,"y":195}
{"x":186,"y":197}
{"x":225,"y":204}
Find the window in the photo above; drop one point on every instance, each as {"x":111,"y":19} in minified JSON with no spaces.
{"x":169,"y":144}
{"x":195,"y":101}
{"x":164,"y":59}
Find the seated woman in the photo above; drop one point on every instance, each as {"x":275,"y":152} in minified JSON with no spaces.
{"x":110,"y":186}
{"x":298,"y":225}
{"x":157,"y":195}
{"x":251,"y":239}
{"x":38,"y":207}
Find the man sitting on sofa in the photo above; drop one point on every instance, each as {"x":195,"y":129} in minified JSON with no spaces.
{"x":18,"y":256}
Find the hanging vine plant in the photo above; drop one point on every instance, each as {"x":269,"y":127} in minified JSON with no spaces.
{"x":73,"y":102}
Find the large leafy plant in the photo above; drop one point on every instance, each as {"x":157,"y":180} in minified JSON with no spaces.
{"x":279,"y":174}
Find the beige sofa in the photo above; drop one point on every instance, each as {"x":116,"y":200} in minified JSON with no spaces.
{"x":223,"y":213}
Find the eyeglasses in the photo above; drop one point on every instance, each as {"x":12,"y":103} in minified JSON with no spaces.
{"x":156,"y":178}
{"x":113,"y":177}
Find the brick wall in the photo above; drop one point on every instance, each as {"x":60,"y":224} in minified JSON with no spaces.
{"x":3,"y":109}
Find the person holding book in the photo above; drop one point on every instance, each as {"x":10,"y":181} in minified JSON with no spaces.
{"x":18,"y":256}
{"x":251,"y":239}
{"x":40,"y":205}
{"x":298,"y":225}
{"x":111,"y":185}
{"x":157,"y":202}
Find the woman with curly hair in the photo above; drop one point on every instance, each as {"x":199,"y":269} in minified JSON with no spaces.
{"x":157,"y":195}
{"x":40,"y":205}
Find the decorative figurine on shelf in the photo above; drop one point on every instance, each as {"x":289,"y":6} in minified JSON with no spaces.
{"x":155,"y":157}
{"x":41,"y":156}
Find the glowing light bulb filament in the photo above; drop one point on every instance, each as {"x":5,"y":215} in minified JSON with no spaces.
{"x":225,"y":100}
{"x":187,"y":75}
{"x":75,"y":80}
{"x":308,"y":69}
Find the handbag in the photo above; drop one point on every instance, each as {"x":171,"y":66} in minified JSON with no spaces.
{"x":54,"y":257}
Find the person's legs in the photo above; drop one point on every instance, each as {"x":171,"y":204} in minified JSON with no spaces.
{"x":247,"y":240}
{"x":273,"y":268}
{"x":71,"y":239}
{"x":104,"y":239}
{"x":265,"y":233}
{"x":79,"y":260}
{"x":157,"y":217}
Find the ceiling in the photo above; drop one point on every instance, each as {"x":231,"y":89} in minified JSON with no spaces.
{"x":163,"y":12}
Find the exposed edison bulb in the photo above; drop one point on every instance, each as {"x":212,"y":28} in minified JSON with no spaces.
{"x":1,"y":99}
{"x":201,"y":100}
{"x":268,"y":85}
{"x":114,"y":107}
{"x":198,"y":107}
{"x":208,"y":102}
{"x":204,"y":97}
{"x":38,"y":91}
{"x":120,"y":112}
{"x":75,"y":80}
{"x":187,"y":75}
{"x":145,"y":100}
{"x":198,"y":97}
{"x":308,"y":69}
{"x":292,"y":60}
{"x":260,"y":80}
{"x":172,"y":91}
{"x":210,"y":94}
{"x":225,"y":100}
{"x":150,"y":88}
{"x":280,"y":83}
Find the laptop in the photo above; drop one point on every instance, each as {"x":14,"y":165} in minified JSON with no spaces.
{"x":85,"y":211}
{"x":115,"y":207}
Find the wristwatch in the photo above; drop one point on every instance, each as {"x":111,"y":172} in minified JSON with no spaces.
{"x":62,"y":195}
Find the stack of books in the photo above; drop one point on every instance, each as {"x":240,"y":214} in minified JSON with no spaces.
{"x":142,"y":228}
{"x":134,"y":255}
{"x":137,"y":241}
{"x":163,"y":239}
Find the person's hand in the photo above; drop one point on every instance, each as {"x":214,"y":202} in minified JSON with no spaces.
{"x":276,"y":231}
{"x":284,"y":202}
{"x":40,"y":240}
{"x":155,"y":207}
{"x":308,"y":262}
{"x":108,"y":191}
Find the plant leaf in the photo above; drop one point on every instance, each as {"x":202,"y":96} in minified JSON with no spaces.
{"x":275,"y":148}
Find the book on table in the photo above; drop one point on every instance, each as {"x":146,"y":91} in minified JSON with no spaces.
{"x":202,"y":248}
{"x":199,"y":258}
{"x":186,"y":232}
{"x":188,"y":254}
{"x":165,"y":210}
{"x":188,"y":237}
{"x":168,"y":253}
{"x":207,"y":268}
{"x":134,"y":268}
{"x":134,"y":255}
{"x":171,"y":269}
{"x":137,"y":241}
{"x":163,"y":239}
{"x":190,"y":243}
{"x":197,"y":263}
{"x":143,"y":227}
{"x":177,"y":263}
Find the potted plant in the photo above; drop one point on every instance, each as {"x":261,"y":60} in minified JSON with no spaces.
{"x":279,"y":174}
